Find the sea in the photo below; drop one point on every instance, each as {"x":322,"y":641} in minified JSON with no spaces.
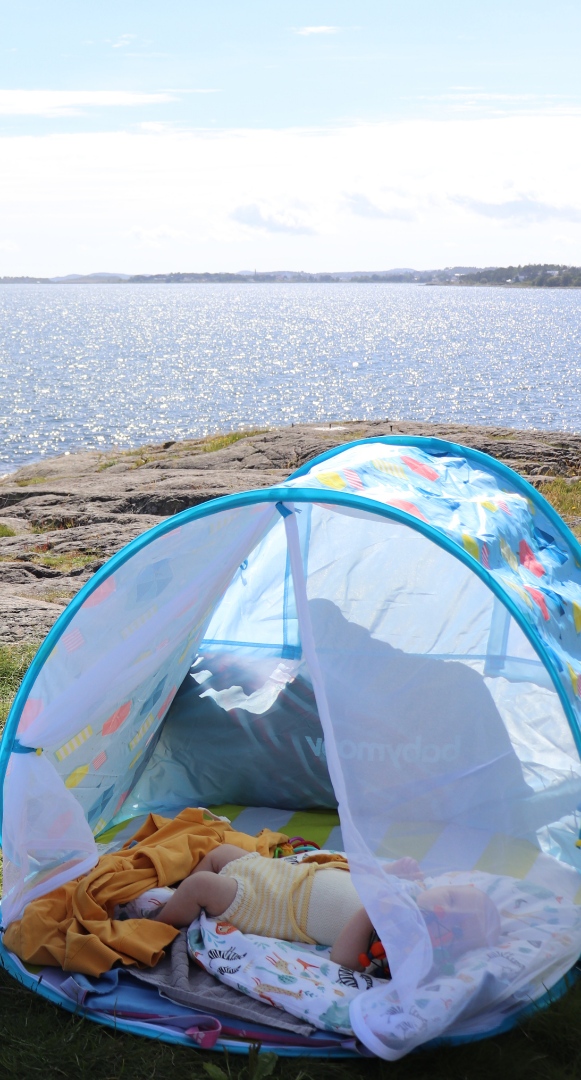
{"x":101,"y":366}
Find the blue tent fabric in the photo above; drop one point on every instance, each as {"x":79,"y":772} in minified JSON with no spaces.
{"x":396,"y":630}
{"x":494,"y":516}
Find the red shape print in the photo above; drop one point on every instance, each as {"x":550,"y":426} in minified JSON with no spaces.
{"x":540,"y":600}
{"x":99,"y":760}
{"x":73,"y":640}
{"x":353,"y":479}
{"x":106,"y":588}
{"x":31,"y":710}
{"x":116,"y":719}
{"x":120,"y":802}
{"x":418,"y":467}
{"x":409,"y":507}
{"x":59,"y":825}
{"x":529,"y":560}
{"x":166,"y":703}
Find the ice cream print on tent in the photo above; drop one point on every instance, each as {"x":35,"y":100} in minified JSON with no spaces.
{"x":382,"y":655}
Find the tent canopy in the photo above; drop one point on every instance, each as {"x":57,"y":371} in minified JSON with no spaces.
{"x":395,"y":631}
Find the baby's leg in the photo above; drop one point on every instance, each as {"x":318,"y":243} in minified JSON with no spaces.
{"x":219,"y":857}
{"x":353,"y":940}
{"x":205,"y":890}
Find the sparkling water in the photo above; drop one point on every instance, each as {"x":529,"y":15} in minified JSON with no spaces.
{"x":95,"y":366}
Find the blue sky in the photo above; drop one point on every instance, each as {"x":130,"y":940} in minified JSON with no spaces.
{"x":243,"y":133}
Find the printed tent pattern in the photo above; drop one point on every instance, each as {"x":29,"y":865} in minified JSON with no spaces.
{"x":395,"y":631}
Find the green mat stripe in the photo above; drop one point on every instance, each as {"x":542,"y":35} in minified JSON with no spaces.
{"x":313,"y":825}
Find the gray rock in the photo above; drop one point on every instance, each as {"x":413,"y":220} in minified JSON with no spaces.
{"x":71,"y":513}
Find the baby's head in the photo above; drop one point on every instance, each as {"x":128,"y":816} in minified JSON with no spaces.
{"x":459,"y":918}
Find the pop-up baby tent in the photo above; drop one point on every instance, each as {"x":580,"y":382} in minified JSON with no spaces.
{"x":394,"y":633}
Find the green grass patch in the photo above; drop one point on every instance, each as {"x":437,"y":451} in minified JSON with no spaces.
{"x":107,"y":464}
{"x":26,"y":481}
{"x":14,"y":663}
{"x":69,"y":560}
{"x":220,"y":442}
{"x":53,"y":526}
{"x":5,"y":530}
{"x":56,"y":594}
{"x":566,"y":498}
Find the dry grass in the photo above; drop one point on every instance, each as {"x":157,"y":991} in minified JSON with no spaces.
{"x":53,"y":526}
{"x":26,"y":481}
{"x":68,"y":560}
{"x":143,"y":455}
{"x":14,"y":662}
{"x":220,"y":442}
{"x":566,"y":498}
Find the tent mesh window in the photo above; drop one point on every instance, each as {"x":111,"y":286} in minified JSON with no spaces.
{"x":394,"y":633}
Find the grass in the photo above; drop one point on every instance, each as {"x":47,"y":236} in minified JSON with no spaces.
{"x":143,"y":455}
{"x":65,"y":562}
{"x":27,"y":480}
{"x":51,"y":597}
{"x":53,"y":526}
{"x":566,"y":498}
{"x":220,"y":442}
{"x":5,"y":530}
{"x":69,"y":560}
{"x":39,"y":1040}
{"x":14,"y":662}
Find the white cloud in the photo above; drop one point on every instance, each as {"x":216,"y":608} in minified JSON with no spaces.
{"x":54,"y":103}
{"x":371,"y":196}
{"x":306,"y":31}
{"x":123,"y":41}
{"x":362,"y":206}
{"x":285,"y":221}
{"x":156,"y":238}
{"x":523,"y":209}
{"x":180,"y":90}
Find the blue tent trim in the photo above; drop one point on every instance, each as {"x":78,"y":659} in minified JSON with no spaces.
{"x":438,"y":447}
{"x":307,"y":494}
{"x":279,"y":495}
{"x":134,"y":1027}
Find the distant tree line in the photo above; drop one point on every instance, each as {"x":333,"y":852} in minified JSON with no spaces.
{"x":542,"y":275}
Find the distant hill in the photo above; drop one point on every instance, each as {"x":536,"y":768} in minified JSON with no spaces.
{"x":535,"y":275}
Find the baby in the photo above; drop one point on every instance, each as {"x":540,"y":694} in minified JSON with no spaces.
{"x":313,"y":903}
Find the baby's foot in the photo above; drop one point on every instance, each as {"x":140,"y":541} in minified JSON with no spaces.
{"x":147,"y":906}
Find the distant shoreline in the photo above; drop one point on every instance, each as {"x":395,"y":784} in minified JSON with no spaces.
{"x":533,"y":275}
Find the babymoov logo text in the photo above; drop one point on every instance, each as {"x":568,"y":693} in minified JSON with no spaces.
{"x":415,"y":752}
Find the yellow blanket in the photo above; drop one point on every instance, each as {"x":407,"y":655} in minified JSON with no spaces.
{"x":73,"y":927}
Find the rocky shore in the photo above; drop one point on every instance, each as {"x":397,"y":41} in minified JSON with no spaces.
{"x":61,"y":518}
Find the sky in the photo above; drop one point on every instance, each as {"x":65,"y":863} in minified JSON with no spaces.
{"x":141,"y":137}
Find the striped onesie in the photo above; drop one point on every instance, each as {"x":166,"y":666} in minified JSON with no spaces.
{"x":291,"y":901}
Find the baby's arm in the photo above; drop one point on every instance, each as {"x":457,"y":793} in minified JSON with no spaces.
{"x":353,"y":939}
